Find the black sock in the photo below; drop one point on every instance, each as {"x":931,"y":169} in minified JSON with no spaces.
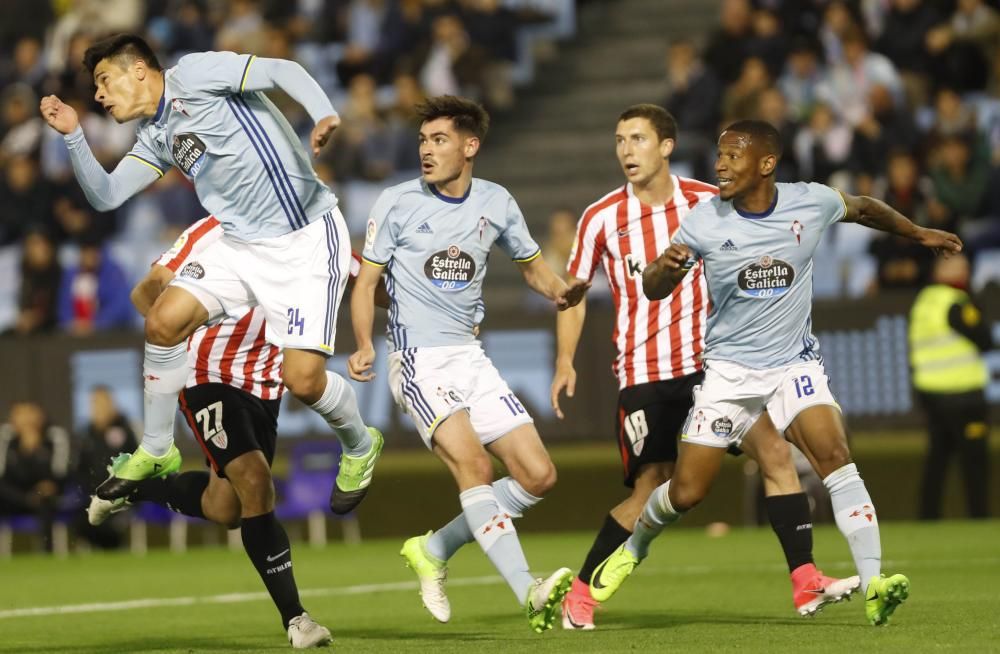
{"x":181,"y":493}
{"x":266,"y":544}
{"x":608,"y":539}
{"x":792,"y":523}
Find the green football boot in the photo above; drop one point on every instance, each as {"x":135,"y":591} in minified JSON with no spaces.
{"x":544,"y":602}
{"x":612,"y":573}
{"x":355,"y":476}
{"x":128,"y":470}
{"x":432,"y":573}
{"x":884,"y":594}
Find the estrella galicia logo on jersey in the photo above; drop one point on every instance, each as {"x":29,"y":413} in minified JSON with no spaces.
{"x":766,"y":277}
{"x":193,"y":269}
{"x":451,"y":269}
{"x":189,"y":153}
{"x":722,"y":427}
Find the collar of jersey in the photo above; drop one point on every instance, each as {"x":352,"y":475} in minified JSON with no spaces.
{"x":763,"y":214}
{"x":163,"y":105}
{"x":450,"y":200}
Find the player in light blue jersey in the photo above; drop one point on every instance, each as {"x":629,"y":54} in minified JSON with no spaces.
{"x":285,"y":246}
{"x":431,"y":238}
{"x":756,"y":241}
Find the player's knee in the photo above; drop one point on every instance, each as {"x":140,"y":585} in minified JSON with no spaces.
{"x":539,"y":480}
{"x":161,"y":331}
{"x":686,"y":497}
{"x":305,"y":384}
{"x":477,"y":468}
{"x":256,"y":490}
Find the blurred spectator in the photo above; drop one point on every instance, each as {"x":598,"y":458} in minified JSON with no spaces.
{"x":850,"y":81}
{"x":560,"y":238}
{"x":951,"y":115}
{"x":243,"y":28}
{"x":363,"y":147}
{"x":883,"y":129}
{"x":39,"y":288}
{"x":729,"y":45}
{"x":492,"y":27}
{"x":21,"y":126}
{"x":693,"y":92}
{"x":902,"y":41}
{"x":183,"y":29}
{"x":25,"y":66}
{"x":34,"y":462}
{"x":742,"y":96}
{"x":960,"y":170}
{"x":965,"y":45}
{"x":839,"y":19}
{"x":94,"y":294}
{"x":25,"y":198}
{"x":768,"y":42}
{"x":902,"y":263}
{"x":801,"y":79}
{"x":107,"y":434}
{"x":452,"y":64}
{"x":823,"y":146}
{"x":947,"y":336}
{"x":771,"y":107}
{"x":403,"y":122}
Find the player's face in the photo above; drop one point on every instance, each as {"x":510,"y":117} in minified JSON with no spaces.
{"x":640,"y":151}
{"x":736,"y":165}
{"x":444,"y":152}
{"x":118,"y":89}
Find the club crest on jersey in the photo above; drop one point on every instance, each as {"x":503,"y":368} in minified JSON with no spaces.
{"x":193,"y":269}
{"x":451,"y":269}
{"x":178,"y":105}
{"x":482,"y":226}
{"x":796,"y":229}
{"x":189,"y":153}
{"x":449,"y":396}
{"x":767,"y":277}
{"x":220,"y":439}
{"x":370,"y":232}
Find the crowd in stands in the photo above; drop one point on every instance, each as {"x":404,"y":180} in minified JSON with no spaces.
{"x":896,"y":99}
{"x":70,"y":267}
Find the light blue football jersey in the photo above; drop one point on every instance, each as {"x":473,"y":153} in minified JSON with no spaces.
{"x":434,"y":249}
{"x":247,"y":165}
{"x":759,"y":273}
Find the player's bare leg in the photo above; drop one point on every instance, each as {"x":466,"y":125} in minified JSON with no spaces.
{"x":819,"y":432}
{"x":267,"y":546}
{"x":174,"y":316}
{"x":790,"y":516}
{"x":328,"y":394}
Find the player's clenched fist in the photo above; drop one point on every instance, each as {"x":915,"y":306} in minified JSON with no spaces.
{"x":61,"y":117}
{"x":322,"y":133}
{"x":676,"y":256}
{"x":360,"y":363}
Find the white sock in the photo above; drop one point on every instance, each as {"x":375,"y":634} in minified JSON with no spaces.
{"x":339,"y":407}
{"x":512,"y":500}
{"x":495,"y":533}
{"x":855,"y":515}
{"x":656,"y":514}
{"x":165,"y":371}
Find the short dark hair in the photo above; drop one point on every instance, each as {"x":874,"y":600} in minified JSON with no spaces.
{"x":124,"y":46}
{"x":760,"y":132}
{"x":466,"y":115}
{"x":662,"y":121}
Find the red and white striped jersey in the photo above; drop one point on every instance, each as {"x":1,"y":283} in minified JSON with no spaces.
{"x":659,"y":339}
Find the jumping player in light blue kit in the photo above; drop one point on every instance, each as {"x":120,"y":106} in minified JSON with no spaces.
{"x":756,"y":241}
{"x":431,"y":238}
{"x":285,"y":245}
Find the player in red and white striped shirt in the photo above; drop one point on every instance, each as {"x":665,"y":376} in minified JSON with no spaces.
{"x":231,"y":402}
{"x":659,"y":345}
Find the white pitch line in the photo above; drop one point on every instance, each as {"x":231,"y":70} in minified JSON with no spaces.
{"x":368,"y":589}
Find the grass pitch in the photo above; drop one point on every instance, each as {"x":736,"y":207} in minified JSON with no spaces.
{"x":694,"y":594}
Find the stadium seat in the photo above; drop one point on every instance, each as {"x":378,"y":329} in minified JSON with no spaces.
{"x":147,"y":513}
{"x":312,"y":471}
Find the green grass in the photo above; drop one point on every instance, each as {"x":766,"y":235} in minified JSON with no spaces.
{"x":694,"y":594}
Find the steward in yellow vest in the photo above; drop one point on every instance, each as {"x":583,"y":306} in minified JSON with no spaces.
{"x":947,"y":335}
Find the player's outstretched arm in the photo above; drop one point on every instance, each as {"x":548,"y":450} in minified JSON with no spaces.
{"x":662,"y":276}
{"x":360,"y":363}
{"x":104,"y":191}
{"x":266,"y":74}
{"x":545,"y":282}
{"x":569,"y":327}
{"x":876,"y":214}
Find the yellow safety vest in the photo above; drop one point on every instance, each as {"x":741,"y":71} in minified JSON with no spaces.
{"x":943,"y":360}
